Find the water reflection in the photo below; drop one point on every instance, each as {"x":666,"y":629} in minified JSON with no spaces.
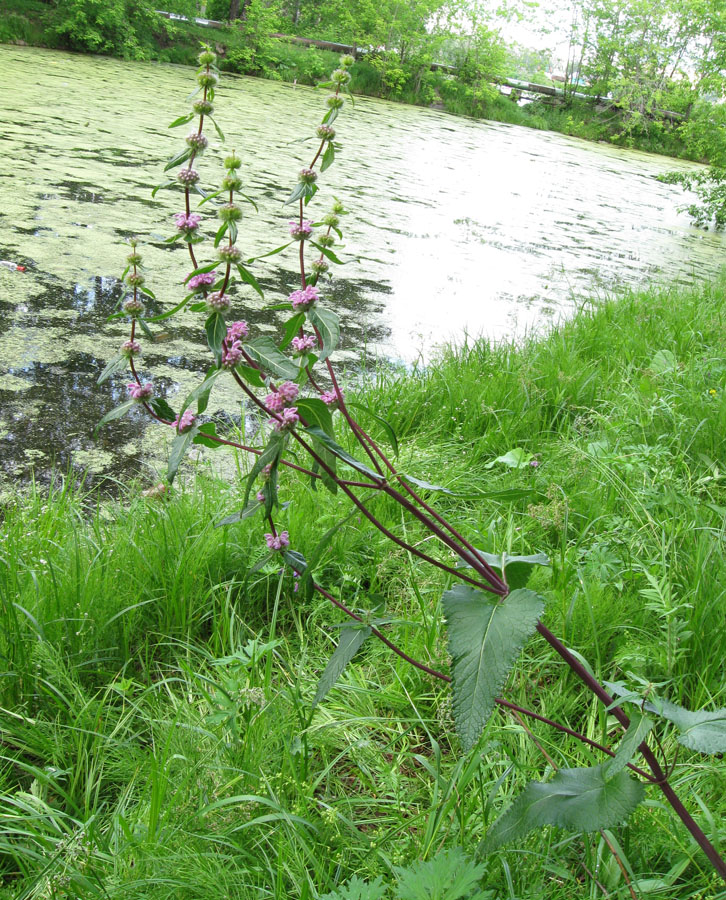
{"x":456,"y":226}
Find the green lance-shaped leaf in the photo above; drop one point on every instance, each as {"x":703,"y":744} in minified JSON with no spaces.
{"x":270,"y":456}
{"x":485,"y":638}
{"x":182,"y":120}
{"x":117,"y":364}
{"x":351,"y":640}
{"x":427,"y":486}
{"x":577,"y":799}
{"x":163,"y":187}
{"x":384,"y":423}
{"x":201,"y":392}
{"x":251,"y":375}
{"x":516,"y":570}
{"x":295,"y":560}
{"x":250,"y":510}
{"x":250,"y":279}
{"x":205,"y":436}
{"x":297,"y":192}
{"x":701,"y":730}
{"x":162,"y":408}
{"x":216,"y":329}
{"x":292,"y":326}
{"x":115,"y":414}
{"x":338,"y":451}
{"x":315,"y":412}
{"x":635,"y":735}
{"x":179,"y":158}
{"x":182,"y":442}
{"x":328,"y":157}
{"x":326,"y":251}
{"x":328,"y":324}
{"x":264,"y":351}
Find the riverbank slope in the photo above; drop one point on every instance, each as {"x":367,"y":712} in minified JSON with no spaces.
{"x":158,"y":730}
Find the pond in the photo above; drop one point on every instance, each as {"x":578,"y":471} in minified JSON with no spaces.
{"x":456,"y":227}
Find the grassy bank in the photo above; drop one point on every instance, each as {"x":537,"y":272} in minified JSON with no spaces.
{"x":157,"y":735}
{"x":248,"y":50}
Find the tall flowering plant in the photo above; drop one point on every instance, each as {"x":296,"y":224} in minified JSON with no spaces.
{"x":490,"y":612}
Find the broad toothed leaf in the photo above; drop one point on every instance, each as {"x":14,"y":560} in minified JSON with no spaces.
{"x":485,"y":638}
{"x":576,"y":799}
{"x":328,"y":324}
{"x":264,"y":351}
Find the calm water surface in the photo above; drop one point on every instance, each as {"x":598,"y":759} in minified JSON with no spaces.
{"x":456,"y":227}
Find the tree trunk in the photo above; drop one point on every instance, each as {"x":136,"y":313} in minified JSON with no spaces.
{"x":233,"y":10}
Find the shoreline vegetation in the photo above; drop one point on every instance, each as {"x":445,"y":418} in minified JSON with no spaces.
{"x":248,"y":48}
{"x":158,"y":736}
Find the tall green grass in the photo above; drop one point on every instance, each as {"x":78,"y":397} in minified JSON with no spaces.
{"x":156,"y":735}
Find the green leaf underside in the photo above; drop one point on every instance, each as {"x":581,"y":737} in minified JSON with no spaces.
{"x":179,"y":447}
{"x":351,"y":640}
{"x":338,"y":451}
{"x":515,"y":569}
{"x":178,"y":159}
{"x":328,"y":157}
{"x":315,"y":412}
{"x":576,"y":799}
{"x":264,"y":352}
{"x":249,"y":279}
{"x":328,"y":324}
{"x":116,"y":413}
{"x":249,"y":510}
{"x":216,"y":329}
{"x":205,"y":436}
{"x":162,"y":408}
{"x":117,"y":364}
{"x":424,"y":484}
{"x":292,"y":326}
{"x":326,"y":251}
{"x":701,"y":730}
{"x":297,"y":192}
{"x":635,"y":735}
{"x":485,"y":638}
{"x":384,"y":423}
{"x":201,"y":393}
{"x":269,"y":456}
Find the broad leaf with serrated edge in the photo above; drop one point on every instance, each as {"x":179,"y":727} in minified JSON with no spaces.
{"x":701,"y":730}
{"x":351,"y":640}
{"x":328,"y":324}
{"x":577,"y":799}
{"x":264,"y":352}
{"x":485,"y":638}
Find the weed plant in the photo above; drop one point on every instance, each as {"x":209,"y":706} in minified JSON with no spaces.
{"x":156,"y":732}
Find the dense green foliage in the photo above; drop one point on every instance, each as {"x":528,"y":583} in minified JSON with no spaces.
{"x":158,"y":734}
{"x":634,"y":58}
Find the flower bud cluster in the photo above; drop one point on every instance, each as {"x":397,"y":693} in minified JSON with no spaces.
{"x":133,"y":306}
{"x":187,"y":176}
{"x":198,"y":142}
{"x":331,"y":220}
{"x":346,"y":61}
{"x":308,"y":176}
{"x":231,"y":181}
{"x":207,"y":79}
{"x":325,"y":132}
{"x":340,"y":76}
{"x":229,"y":254}
{"x":218,"y":302}
{"x":203,"y":107}
{"x":302,"y":300}
{"x":184,"y":423}
{"x":277,"y":541}
{"x":334,"y":101}
{"x":140,"y":391}
{"x":202,"y":281}
{"x":187,"y":223}
{"x":326,"y":240}
{"x":299,"y":231}
{"x":135,"y":279}
{"x":229,"y":212}
{"x":285,"y":394}
{"x":130,"y":349}
{"x":303,"y":344}
{"x":207,"y":58}
{"x":319,"y":266}
{"x":287,"y":421}
{"x":232,"y":349}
